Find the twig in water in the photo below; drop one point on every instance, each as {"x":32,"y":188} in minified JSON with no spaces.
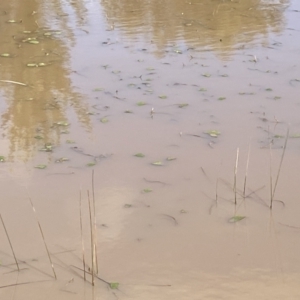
{"x":42,"y":234}
{"x":247,"y":167}
{"x":92,"y":240}
{"x":82,"y":242}
{"x":95,"y":223}
{"x":14,"y":82}
{"x":279,"y":169}
{"x":235,"y":172}
{"x":11,"y":247}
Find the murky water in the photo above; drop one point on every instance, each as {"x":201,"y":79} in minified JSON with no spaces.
{"x":155,"y":98}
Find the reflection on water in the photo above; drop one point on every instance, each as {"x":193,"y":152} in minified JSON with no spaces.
{"x":38,"y":39}
{"x":207,"y":24}
{"x":35,"y":54}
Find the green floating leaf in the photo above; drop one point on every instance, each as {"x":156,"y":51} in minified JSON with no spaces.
{"x":206,"y":75}
{"x":150,"y":69}
{"x":213,"y":133}
{"x":147,"y":190}
{"x":277,"y":98}
{"x":236,"y":219}
{"x":2,"y":158}
{"x":127,"y":111}
{"x":98,"y":89}
{"x":70,"y":142}
{"x":182,"y":105}
{"x":141,"y":103}
{"x":224,"y":75}
{"x":269,"y":90}
{"x":114,"y":285}
{"x":203,"y":90}
{"x":104,"y":120}
{"x":221,"y":98}
{"x":47,"y":33}
{"x":278,"y":136}
{"x":38,"y":137}
{"x":295,"y":136}
{"x":163,"y":97}
{"x":91,"y":164}
{"x":11,"y":21}
{"x":62,"y":159}
{"x":127,"y":205}
{"x":171,"y":158}
{"x":157,"y":163}
{"x":139,"y":155}
{"x":41,"y":166}
{"x":33,"y":42}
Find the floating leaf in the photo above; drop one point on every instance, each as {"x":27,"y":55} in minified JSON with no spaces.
{"x":147,"y":190}
{"x":33,"y":42}
{"x":98,"y":89}
{"x":62,"y":159}
{"x":5,"y":55}
{"x":203,"y":90}
{"x":278,"y":136}
{"x":70,"y":142}
{"x":150,"y":69}
{"x":171,"y":158}
{"x":224,"y":75}
{"x":236,"y":219}
{"x":114,"y":285}
{"x":277,"y":98}
{"x":32,"y":65}
{"x":213,"y":133}
{"x":182,"y":105}
{"x":104,"y":120}
{"x":183,"y":211}
{"x":157,"y":163}
{"x":127,"y":111}
{"x":162,"y":97}
{"x":41,"y":166}
{"x":139,"y":155}
{"x":127,"y":205}
{"x":47,"y":33}
{"x":62,"y":123}
{"x":221,"y":98}
{"x":38,"y":137}
{"x":91,"y":164}
{"x":2,"y":158}
{"x":206,"y":75}
{"x":295,"y":136}
{"x":269,"y":90}
{"x":178,"y":51}
{"x":141,"y":103}
{"x":42,"y":64}
{"x":11,"y":21}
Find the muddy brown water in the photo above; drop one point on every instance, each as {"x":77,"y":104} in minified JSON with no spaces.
{"x":86,"y":85}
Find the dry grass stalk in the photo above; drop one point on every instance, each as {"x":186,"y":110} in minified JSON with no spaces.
{"x":280,"y":164}
{"x":247,"y":167}
{"x":271,"y":179}
{"x":95,"y":224}
{"x":11,"y":247}
{"x":235,"y":173}
{"x":81,"y":232}
{"x":42,"y":234}
{"x":92,"y":241}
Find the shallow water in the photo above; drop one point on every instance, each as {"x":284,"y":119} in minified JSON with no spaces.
{"x":86,"y":85}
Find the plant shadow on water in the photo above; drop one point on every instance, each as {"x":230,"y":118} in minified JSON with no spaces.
{"x":145,"y":150}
